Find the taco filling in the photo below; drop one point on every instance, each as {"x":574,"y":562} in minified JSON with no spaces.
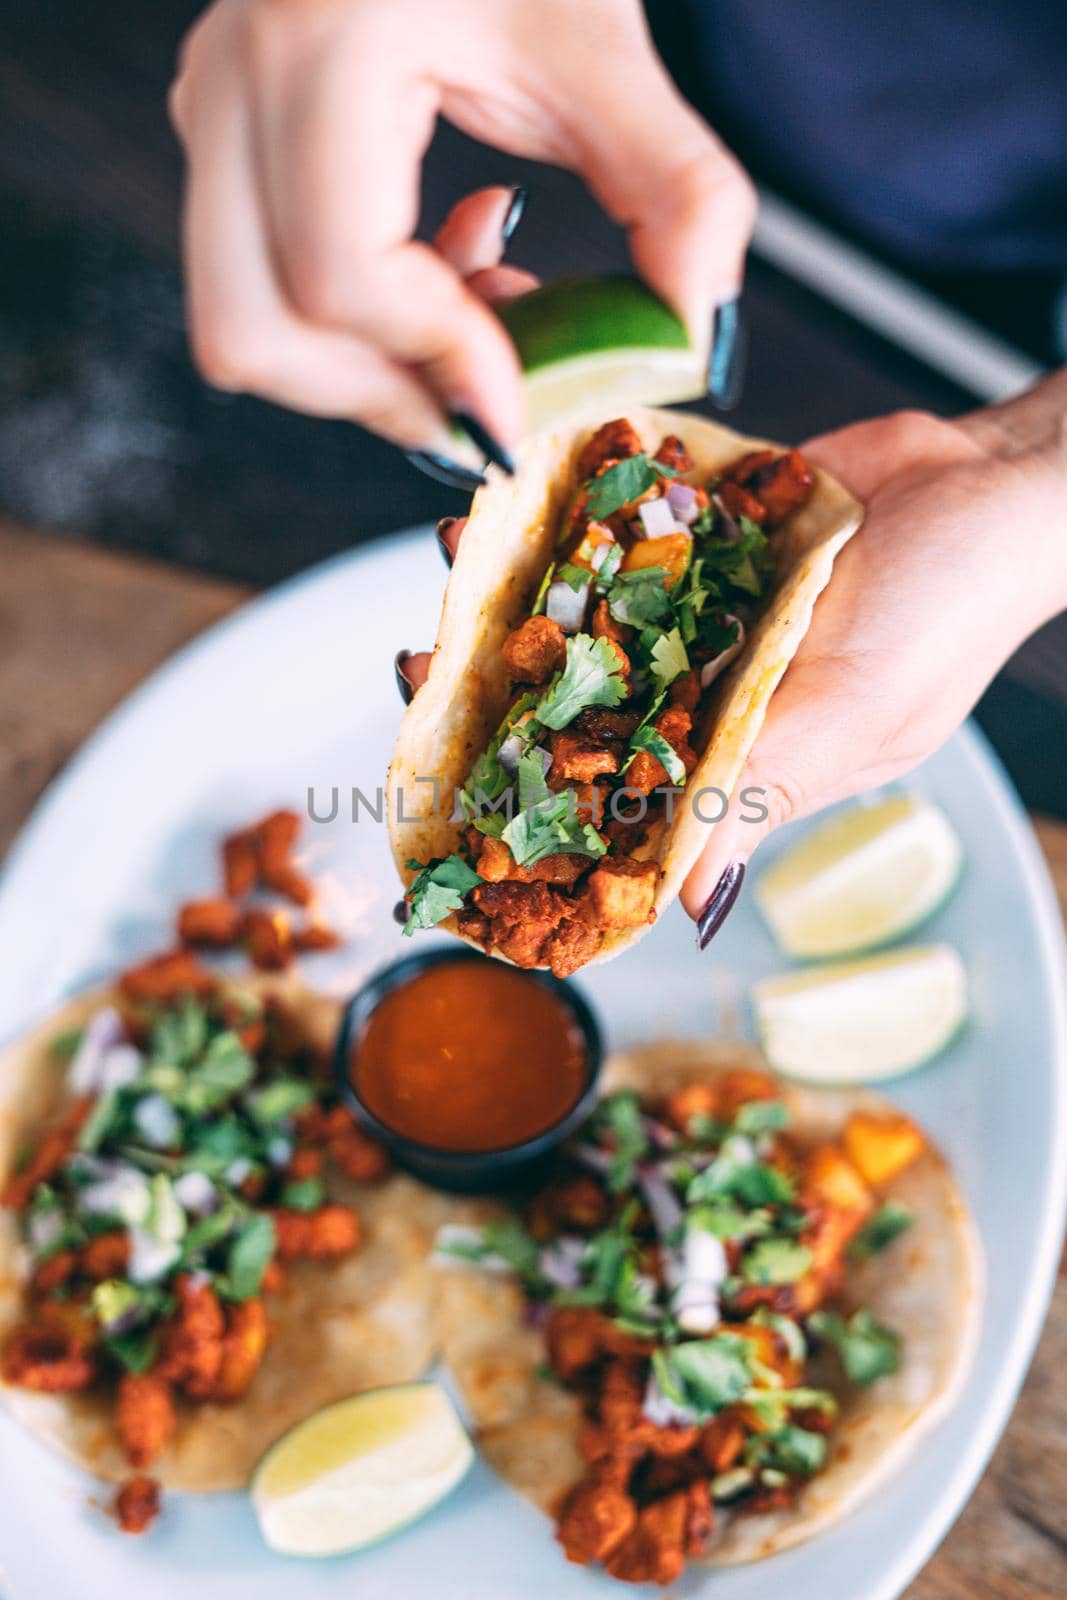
{"x":690,"y":1270}
{"x":185,"y":1175}
{"x":656,"y":580}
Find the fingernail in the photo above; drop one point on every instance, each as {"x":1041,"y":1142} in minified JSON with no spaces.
{"x":726,"y":364}
{"x":513,"y":215}
{"x":490,"y":447}
{"x":403,"y":682}
{"x":720,"y":903}
{"x":444,"y":470}
{"x":442,"y":528}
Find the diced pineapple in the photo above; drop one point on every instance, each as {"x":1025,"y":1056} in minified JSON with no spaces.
{"x":882,"y":1146}
{"x":832,"y":1178}
{"x":670,"y":551}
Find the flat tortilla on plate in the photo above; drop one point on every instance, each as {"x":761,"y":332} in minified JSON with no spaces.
{"x":338,"y":1326}
{"x":927,"y":1286}
{"x":508,"y":542}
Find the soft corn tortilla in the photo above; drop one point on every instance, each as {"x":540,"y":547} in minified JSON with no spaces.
{"x":506,"y":547}
{"x":927,"y":1286}
{"x":338,"y":1327}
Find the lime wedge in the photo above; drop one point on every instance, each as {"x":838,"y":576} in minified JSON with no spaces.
{"x":859,"y":1021}
{"x":871,"y":874}
{"x":591,"y":347}
{"x":359,"y":1470}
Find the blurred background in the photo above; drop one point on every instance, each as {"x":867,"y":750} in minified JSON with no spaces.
{"x":108,"y":436}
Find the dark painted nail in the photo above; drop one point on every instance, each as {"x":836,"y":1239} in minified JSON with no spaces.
{"x":513,"y":215}
{"x":444,"y":470}
{"x":490,"y":447}
{"x":442,"y":528}
{"x":726,"y":365}
{"x":401,"y":912}
{"x":720,"y":903}
{"x":403,"y":682}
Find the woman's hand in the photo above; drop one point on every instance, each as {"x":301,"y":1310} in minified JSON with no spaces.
{"x":962,"y":554}
{"x":305,"y":123}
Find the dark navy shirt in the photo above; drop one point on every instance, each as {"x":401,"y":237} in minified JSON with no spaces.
{"x":934,"y":129}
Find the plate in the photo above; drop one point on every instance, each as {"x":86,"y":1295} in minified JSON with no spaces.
{"x":294,"y":697}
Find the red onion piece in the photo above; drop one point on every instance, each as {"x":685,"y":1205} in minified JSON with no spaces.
{"x":661,"y":1411}
{"x":711,"y":669}
{"x":682,"y":498}
{"x":726,"y":526}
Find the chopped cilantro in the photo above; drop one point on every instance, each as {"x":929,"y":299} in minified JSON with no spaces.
{"x":573,"y":576}
{"x":745,"y":564}
{"x":704,"y":1374}
{"x":304,"y":1194}
{"x":652,"y":740}
{"x":592,"y":677}
{"x":64,"y":1047}
{"x":774,"y":1261}
{"x":887,"y":1224}
{"x":278,"y":1100}
{"x":439,"y":889}
{"x":868,"y":1350}
{"x":104,"y":1114}
{"x":669,"y":659}
{"x":624,"y":483}
{"x":640,"y":598}
{"x":761,"y":1116}
{"x":727,"y":1221}
{"x":249,"y":1256}
{"x":548,"y":822}
{"x":619,"y":1115}
{"x":796,"y":1451}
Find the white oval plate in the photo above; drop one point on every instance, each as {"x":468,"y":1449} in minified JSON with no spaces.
{"x":297,"y":691}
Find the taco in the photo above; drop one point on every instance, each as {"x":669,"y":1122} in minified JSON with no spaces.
{"x":617,"y":618}
{"x":728,"y":1319}
{"x":181,"y":1199}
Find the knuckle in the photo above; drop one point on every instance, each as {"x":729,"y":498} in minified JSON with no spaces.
{"x":229,"y":354}
{"x":318,"y":289}
{"x":782,"y":796}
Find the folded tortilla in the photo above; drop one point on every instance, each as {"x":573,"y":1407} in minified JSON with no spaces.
{"x":338,"y":1326}
{"x":927,"y":1286}
{"x":507,"y":545}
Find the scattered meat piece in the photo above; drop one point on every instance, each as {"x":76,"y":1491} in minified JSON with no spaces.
{"x":522,"y":916}
{"x":276,"y":838}
{"x":620,"y":892}
{"x":243,"y":1346}
{"x":50,"y":1275}
{"x":48,"y":1357}
{"x":574,"y":943}
{"x":106,"y":1256}
{"x":654,"y":1552}
{"x":360,"y":1157}
{"x":691,"y":1100}
{"x":191,"y":1352}
{"x":646,"y":772}
{"x":496,"y":864}
{"x":605,"y":726}
{"x":700,"y":1517}
{"x":535,"y":650}
{"x":685,"y":691}
{"x":739,"y":503}
{"x":46,"y":1160}
{"x":581,"y":760}
{"x":741,"y":1086}
{"x":596,"y":1517}
{"x":768,"y":1500}
{"x":269,"y":939}
{"x":274,"y":1278}
{"x":580,"y":1202}
{"x":145,"y":1416}
{"x":305,"y":1162}
{"x":782,"y":483}
{"x":672,"y":453}
{"x":624,"y":664}
{"x":240,"y":863}
{"x":167,"y":977}
{"x":291,"y":883}
{"x":315,"y":936}
{"x":212,"y":922}
{"x":621,"y":1395}
{"x":474,"y":924}
{"x":574,"y":1340}
{"x":722,"y":1441}
{"x":332,"y":1230}
{"x":613,"y":441}
{"x":136,"y":1504}
{"x":606,"y":627}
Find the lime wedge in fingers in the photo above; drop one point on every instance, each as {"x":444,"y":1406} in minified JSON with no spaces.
{"x":591,"y":347}
{"x":871,"y":874}
{"x":359,"y":1470}
{"x":859,"y":1021}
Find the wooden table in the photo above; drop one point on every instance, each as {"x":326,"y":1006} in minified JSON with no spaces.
{"x":79,"y":626}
